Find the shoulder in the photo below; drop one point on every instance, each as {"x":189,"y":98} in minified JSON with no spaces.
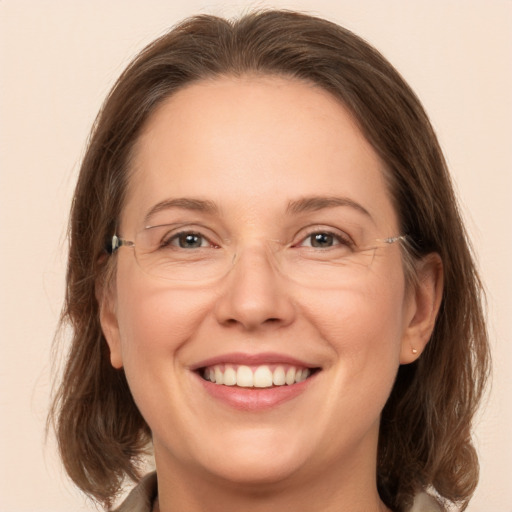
{"x":141,"y":497}
{"x":424,"y":502}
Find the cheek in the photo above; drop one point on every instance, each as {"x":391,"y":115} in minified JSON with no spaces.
{"x":155,"y":320}
{"x":364,"y":327}
{"x":363,"y":317}
{"x":156,"y":324}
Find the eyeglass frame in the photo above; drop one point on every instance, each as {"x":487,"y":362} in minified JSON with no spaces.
{"x":116,"y":242}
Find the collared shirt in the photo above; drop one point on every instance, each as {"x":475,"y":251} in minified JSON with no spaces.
{"x":142,"y":497}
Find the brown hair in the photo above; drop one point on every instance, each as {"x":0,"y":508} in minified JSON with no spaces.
{"x":425,"y":436}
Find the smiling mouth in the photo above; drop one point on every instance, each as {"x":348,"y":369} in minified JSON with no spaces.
{"x":262,"y":376}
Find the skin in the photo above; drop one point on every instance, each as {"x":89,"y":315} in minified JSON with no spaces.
{"x":251,"y":145}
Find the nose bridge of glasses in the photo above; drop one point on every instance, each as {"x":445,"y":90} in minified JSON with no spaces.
{"x":257,"y":256}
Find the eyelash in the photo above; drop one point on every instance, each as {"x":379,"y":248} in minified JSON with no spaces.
{"x":338,"y":239}
{"x":168,"y":242}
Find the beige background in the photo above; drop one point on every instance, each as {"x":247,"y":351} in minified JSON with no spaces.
{"x":58,"y":59}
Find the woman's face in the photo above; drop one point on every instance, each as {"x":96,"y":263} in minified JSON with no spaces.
{"x":271,"y":180}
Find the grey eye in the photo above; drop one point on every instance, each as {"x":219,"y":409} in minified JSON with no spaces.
{"x":322,"y":240}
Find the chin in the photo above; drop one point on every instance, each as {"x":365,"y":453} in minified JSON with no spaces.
{"x":254,"y":457}
{"x":257,"y":470}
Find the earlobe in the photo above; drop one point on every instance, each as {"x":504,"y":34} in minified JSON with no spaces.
{"x":425,"y":301}
{"x":109,"y":323}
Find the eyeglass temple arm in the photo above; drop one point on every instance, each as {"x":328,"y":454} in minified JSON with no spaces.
{"x":115,"y":243}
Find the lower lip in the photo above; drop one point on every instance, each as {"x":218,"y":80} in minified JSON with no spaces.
{"x":255,"y":399}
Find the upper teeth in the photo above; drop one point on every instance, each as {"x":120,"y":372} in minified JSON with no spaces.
{"x":256,"y":377}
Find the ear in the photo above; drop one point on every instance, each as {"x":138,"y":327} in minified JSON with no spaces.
{"x":423,"y":305}
{"x":106,"y":297}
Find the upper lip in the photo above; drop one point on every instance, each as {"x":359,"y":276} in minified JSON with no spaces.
{"x":239,"y":358}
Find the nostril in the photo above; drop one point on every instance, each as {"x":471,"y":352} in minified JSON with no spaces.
{"x":268,"y":321}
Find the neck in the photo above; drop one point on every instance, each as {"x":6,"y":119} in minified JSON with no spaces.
{"x":351,"y":489}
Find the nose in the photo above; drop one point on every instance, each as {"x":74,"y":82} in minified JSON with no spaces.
{"x":253,"y":295}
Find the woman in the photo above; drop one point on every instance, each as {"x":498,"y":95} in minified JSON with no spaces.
{"x":269,"y":281}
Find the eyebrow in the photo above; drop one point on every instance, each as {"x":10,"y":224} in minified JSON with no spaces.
{"x":304,"y":204}
{"x":313,"y":203}
{"x":186,"y":203}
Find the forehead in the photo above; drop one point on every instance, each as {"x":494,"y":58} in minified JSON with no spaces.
{"x":247,"y":139}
